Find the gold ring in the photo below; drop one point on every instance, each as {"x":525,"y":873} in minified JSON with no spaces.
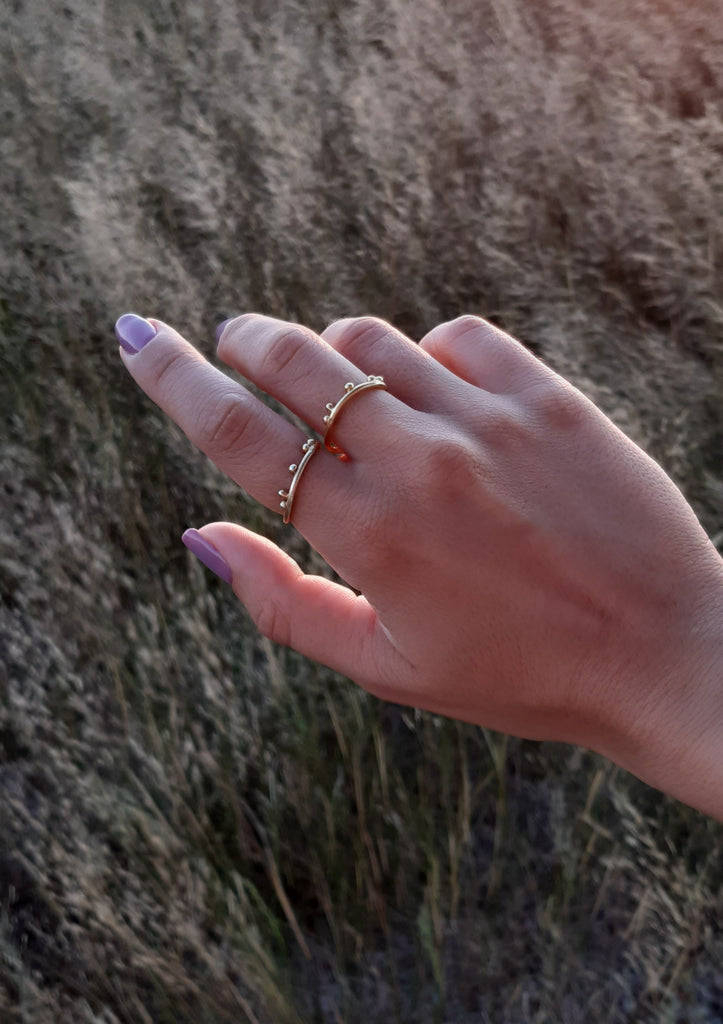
{"x":350,"y":391}
{"x":308,"y":448}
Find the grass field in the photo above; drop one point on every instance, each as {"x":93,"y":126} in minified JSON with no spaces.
{"x":196,"y":826}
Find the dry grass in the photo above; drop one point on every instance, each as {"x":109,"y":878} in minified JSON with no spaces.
{"x":195,"y":826}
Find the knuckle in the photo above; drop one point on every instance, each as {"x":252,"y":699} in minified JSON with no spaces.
{"x":235,"y":329}
{"x":452,"y":463}
{"x":485,"y":332}
{"x":285,"y":348}
{"x":466,"y":323}
{"x":347,"y":334}
{"x":452,"y":331}
{"x":223,"y":424}
{"x":164,"y":370}
{"x":272,"y":622}
{"x":558,"y":406}
{"x":337,"y":328}
{"x":506,"y":428}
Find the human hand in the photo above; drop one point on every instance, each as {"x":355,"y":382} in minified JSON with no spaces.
{"x":519,"y":562}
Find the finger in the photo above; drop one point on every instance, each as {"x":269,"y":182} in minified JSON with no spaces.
{"x":373,"y":345}
{"x":483,"y":355}
{"x":315,"y":616}
{"x":296,"y":366}
{"x":246,"y":439}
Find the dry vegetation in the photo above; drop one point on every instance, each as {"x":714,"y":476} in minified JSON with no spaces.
{"x":194,"y":826}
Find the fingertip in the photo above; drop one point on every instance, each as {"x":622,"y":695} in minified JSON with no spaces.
{"x":134,"y":332}
{"x":222,"y":327}
{"x":252,"y":558}
{"x":208,"y":554}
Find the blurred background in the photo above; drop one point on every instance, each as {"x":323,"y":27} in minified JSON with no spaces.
{"x":197,"y":826}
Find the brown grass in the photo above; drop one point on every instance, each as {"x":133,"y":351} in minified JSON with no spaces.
{"x":195,"y":826}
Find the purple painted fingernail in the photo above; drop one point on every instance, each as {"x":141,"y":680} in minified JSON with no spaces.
{"x":207,"y":554}
{"x":219,"y":329}
{"x":133,"y":332}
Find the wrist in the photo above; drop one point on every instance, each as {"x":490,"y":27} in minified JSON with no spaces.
{"x":672,"y":738}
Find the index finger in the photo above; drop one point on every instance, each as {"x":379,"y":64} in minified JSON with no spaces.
{"x":245,"y":438}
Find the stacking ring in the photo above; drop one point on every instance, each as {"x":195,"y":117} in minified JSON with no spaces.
{"x":350,"y":391}
{"x":308,"y":448}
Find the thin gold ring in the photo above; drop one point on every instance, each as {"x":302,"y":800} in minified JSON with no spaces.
{"x":350,"y":391}
{"x":308,"y":448}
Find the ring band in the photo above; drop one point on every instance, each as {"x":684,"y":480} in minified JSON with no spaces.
{"x":350,"y":391}
{"x":308,"y":448}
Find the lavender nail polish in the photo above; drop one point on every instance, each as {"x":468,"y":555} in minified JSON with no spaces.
{"x":219,"y":329}
{"x":133,"y":332}
{"x":207,"y":554}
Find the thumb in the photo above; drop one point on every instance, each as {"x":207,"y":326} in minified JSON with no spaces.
{"x":321,"y":619}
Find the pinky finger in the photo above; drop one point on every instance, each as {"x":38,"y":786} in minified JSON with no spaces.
{"x":482,"y":354}
{"x":318,"y":618}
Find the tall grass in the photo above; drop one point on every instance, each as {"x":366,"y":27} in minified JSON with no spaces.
{"x":197,"y":826}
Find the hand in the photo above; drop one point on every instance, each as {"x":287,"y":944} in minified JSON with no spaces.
{"x":519,"y":562}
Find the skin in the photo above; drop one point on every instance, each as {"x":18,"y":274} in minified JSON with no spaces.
{"x":512,"y":558}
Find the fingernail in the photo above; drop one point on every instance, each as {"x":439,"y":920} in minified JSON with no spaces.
{"x":133,"y":332}
{"x":207,"y":554}
{"x":219,"y":329}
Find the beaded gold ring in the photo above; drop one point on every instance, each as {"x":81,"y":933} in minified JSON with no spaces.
{"x":333,"y":410}
{"x":309,"y":447}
